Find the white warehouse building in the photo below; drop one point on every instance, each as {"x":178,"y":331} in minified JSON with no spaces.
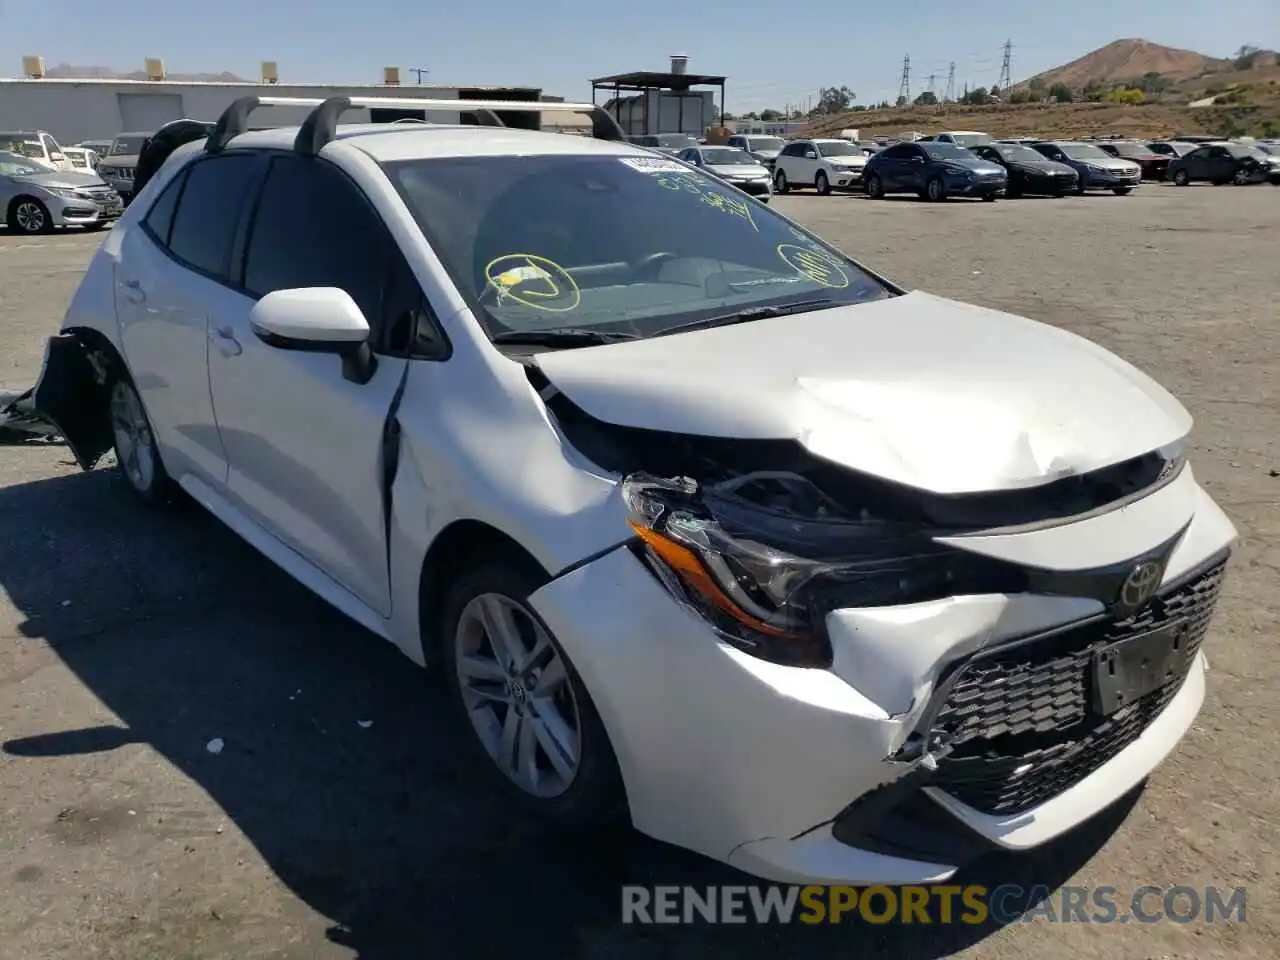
{"x":74,"y":110}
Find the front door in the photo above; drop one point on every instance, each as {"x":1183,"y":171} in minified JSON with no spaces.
{"x":305,"y":444}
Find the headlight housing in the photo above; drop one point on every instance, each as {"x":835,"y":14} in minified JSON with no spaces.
{"x":765,"y":577}
{"x":66,"y":192}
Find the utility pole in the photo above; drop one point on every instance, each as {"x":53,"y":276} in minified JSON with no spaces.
{"x":904,"y":91}
{"x":1006,"y":79}
{"x":951,"y":84}
{"x":419,"y":72}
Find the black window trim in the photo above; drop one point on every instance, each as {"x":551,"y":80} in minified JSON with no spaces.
{"x":178,"y":183}
{"x":425,"y":314}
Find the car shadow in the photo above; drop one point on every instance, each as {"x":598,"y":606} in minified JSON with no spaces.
{"x":339,"y":762}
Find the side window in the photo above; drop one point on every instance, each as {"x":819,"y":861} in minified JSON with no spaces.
{"x":159,"y":219}
{"x":793,"y":150}
{"x":314,"y":228}
{"x":204,"y":227}
{"x":50,"y":145}
{"x":896,"y":153}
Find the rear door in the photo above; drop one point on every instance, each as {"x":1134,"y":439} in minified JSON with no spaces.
{"x":172,"y":274}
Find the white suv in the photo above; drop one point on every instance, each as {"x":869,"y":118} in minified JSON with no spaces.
{"x":825,"y":165}
{"x":706,"y":524}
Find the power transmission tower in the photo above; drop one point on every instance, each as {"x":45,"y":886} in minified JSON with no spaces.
{"x":951,"y":83}
{"x":904,"y":91}
{"x":1006,"y":80}
{"x":932,"y":77}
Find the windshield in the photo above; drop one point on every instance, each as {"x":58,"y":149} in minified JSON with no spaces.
{"x":127,"y":146}
{"x":1127,"y":148}
{"x":78,"y":159}
{"x":676,"y":140}
{"x":1242,"y":149}
{"x":970,"y":139}
{"x":765,"y":143}
{"x":15,"y":165}
{"x":613,"y":244}
{"x":837,"y":148}
{"x":18,"y":143}
{"x":941,"y":150}
{"x":1016,"y":152}
{"x":1269,"y":149}
{"x":726,"y":156}
{"x":1084,"y":151}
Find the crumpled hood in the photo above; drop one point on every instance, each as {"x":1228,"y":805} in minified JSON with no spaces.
{"x":917,"y":389}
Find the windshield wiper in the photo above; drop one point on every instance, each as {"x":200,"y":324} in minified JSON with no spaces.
{"x":561,"y":337}
{"x":755,"y":313}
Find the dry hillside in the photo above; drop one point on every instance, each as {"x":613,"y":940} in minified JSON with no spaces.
{"x":67,"y":71}
{"x":1128,"y":60}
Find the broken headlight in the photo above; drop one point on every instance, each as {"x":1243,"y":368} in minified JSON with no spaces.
{"x":765,"y":557}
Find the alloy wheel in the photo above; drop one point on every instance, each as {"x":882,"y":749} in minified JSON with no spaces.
{"x":30,"y":216}
{"x":135,"y":444}
{"x":517,"y":694}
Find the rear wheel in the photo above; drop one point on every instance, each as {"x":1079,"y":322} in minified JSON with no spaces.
{"x":28,"y":215}
{"x":934,"y":191}
{"x":137,"y":452}
{"x":533,"y":726}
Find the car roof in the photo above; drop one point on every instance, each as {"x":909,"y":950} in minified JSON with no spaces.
{"x":387,"y":142}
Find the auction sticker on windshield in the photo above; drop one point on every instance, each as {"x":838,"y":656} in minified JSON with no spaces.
{"x":654,"y":165}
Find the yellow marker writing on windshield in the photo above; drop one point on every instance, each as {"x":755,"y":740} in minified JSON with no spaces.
{"x":821,"y":268}
{"x":533,"y":282}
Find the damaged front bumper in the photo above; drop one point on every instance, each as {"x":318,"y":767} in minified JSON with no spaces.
{"x":940,"y":730}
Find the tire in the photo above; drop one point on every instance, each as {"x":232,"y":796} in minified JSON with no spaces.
{"x":29,"y":216}
{"x":934,"y":191}
{"x":1240,"y":178}
{"x":1081,"y":186}
{"x":577,"y":793}
{"x":1181,"y":178}
{"x":134,"y":443}
{"x":1122,"y":191}
{"x":874,"y":187}
{"x":822,"y":184}
{"x":780,"y":184}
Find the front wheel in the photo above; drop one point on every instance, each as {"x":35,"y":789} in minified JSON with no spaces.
{"x":875,"y":187}
{"x":1181,"y":178}
{"x":1241,"y":178}
{"x":1122,"y":191}
{"x":780,"y":184}
{"x":822,"y":184}
{"x":934,"y":190}
{"x":532,"y":723}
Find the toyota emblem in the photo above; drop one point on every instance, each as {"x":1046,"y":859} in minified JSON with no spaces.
{"x":1141,"y":583}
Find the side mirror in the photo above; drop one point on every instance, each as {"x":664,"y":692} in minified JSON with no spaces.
{"x":810,"y":155}
{"x":317,"y":320}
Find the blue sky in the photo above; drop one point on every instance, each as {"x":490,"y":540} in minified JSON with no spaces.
{"x":770,"y":62}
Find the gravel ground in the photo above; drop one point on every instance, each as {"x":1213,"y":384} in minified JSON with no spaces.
{"x":129,"y":641}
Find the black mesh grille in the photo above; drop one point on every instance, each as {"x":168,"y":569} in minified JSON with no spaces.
{"x":1021,"y":721}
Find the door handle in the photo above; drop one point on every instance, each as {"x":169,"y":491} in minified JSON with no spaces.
{"x":225,"y":340}
{"x":134,"y":292}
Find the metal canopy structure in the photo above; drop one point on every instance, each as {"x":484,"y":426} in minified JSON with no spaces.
{"x":643,"y":81}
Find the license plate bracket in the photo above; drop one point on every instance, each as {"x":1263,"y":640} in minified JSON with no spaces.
{"x":1130,"y":669}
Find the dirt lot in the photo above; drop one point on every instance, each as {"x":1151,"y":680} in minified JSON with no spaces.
{"x":129,"y":641}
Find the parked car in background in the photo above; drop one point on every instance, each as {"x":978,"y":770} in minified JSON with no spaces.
{"x":734,"y":166}
{"x":669,"y":143}
{"x":1029,"y":171}
{"x":100,"y":147}
{"x":825,"y":165}
{"x":1170,"y":148}
{"x":1221,"y":163}
{"x":81,"y":158}
{"x":121,"y":162}
{"x":762,"y":149}
{"x":1097,"y":169}
{"x":962,"y":138}
{"x":1154,"y":165}
{"x":35,"y":145}
{"x":35,"y":198}
{"x":933,"y":169}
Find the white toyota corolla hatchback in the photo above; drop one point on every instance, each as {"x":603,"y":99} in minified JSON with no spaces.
{"x":706,"y":524}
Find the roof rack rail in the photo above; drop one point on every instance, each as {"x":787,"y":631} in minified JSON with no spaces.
{"x":321,"y":124}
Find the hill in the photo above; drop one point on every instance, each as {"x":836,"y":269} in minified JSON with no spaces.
{"x":66,"y":71}
{"x":1124,"y":60}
